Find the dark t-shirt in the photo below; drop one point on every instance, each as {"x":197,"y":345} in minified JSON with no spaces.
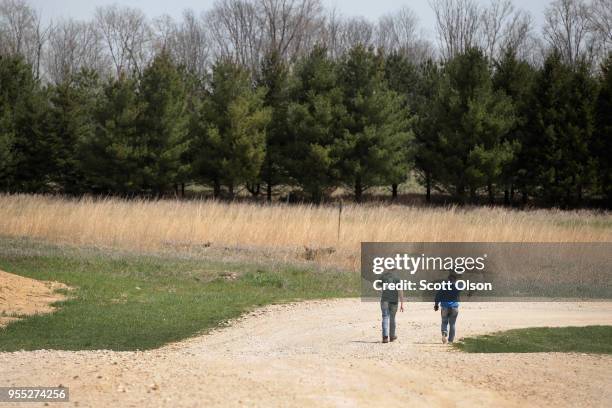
{"x":388,"y":295}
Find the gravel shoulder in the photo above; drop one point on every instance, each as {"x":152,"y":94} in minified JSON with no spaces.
{"x":328,"y":353}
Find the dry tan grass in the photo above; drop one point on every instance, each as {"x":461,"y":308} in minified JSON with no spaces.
{"x":158,"y":225}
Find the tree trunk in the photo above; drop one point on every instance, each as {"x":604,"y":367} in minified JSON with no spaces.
{"x":428,"y":186}
{"x":358,"y":189}
{"x":254,"y":189}
{"x":316,"y":196}
{"x":491,"y":193}
{"x":216,"y":188}
{"x":461,"y":194}
{"x":183,"y":190}
{"x":506,"y":197}
{"x":268,"y":177}
{"x":394,"y":191}
{"x":230,"y":190}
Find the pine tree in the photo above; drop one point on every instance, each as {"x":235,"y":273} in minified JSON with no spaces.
{"x":427,"y":157}
{"x":71,"y":124}
{"x":195,"y":86}
{"x":602,"y":145}
{"x":472,"y":121}
{"x":164,"y":125}
{"x":561,"y":125}
{"x":516,"y":79}
{"x":376,"y":127}
{"x":314,"y":117}
{"x":402,"y":77}
{"x":232,"y":137}
{"x":7,"y":132}
{"x":112,"y":159}
{"x":25,"y":145}
{"x":274,"y":78}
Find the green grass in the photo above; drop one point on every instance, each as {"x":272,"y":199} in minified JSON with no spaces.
{"x":588,"y":339}
{"x":132,"y":301}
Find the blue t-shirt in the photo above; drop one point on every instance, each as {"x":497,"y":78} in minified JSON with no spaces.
{"x":448,"y":298}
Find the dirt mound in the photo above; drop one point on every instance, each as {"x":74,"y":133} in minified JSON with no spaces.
{"x":21,"y":296}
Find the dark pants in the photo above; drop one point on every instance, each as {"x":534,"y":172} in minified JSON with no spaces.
{"x":449,"y":317}
{"x":388,"y":318}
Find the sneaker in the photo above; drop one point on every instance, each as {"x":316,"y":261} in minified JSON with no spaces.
{"x":385,"y":339}
{"x":393,"y":338}
{"x":444,"y":340}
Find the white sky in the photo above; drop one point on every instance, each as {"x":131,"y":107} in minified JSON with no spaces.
{"x":371,"y":9}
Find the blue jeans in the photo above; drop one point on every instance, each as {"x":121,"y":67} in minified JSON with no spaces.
{"x":388,"y":318}
{"x":449,"y":317}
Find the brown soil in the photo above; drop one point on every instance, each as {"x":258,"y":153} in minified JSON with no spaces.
{"x":21,"y":296}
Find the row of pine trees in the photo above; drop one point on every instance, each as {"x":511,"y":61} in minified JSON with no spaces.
{"x":469,"y":128}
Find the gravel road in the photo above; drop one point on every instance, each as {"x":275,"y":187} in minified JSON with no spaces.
{"x":328,"y":353}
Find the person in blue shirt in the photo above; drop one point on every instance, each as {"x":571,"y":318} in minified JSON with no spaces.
{"x":449,"y":301}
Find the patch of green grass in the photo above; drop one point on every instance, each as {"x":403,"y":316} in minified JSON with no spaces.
{"x":131,"y":301}
{"x":588,"y":339}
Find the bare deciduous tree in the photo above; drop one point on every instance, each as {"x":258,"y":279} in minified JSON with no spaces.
{"x":72,"y":46}
{"x":567,"y":29}
{"x":600,"y":23}
{"x":503,"y":27}
{"x":519,"y":32}
{"x":397,"y":29}
{"x":330,"y":33}
{"x":399,"y":32}
{"x":164,"y":29}
{"x":22,"y":32}
{"x":127,"y":36}
{"x":289,"y":26}
{"x":185,"y":41}
{"x":235,"y":32}
{"x":191,"y":45}
{"x":354,"y":31}
{"x":457,"y":23}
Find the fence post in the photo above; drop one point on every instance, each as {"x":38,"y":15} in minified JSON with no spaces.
{"x":339,"y":218}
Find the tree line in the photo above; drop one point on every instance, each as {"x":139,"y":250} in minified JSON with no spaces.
{"x":271,"y":94}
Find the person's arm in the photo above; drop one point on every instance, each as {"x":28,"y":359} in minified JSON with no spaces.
{"x":401,"y":297}
{"x":437,"y":300}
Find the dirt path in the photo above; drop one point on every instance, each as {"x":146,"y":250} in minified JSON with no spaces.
{"x":328,"y":353}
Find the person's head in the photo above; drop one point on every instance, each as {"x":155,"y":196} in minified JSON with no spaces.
{"x":452,"y":277}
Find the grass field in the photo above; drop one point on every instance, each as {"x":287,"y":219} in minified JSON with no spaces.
{"x":589,"y":339}
{"x":281,"y":231}
{"x":129,"y":301}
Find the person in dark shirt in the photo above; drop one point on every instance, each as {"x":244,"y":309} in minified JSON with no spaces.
{"x":449,"y":301}
{"x":388,"y":305}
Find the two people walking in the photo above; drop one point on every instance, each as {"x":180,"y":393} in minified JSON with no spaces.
{"x":447,"y":301}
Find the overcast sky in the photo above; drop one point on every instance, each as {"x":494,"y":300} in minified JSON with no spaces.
{"x":371,"y":9}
